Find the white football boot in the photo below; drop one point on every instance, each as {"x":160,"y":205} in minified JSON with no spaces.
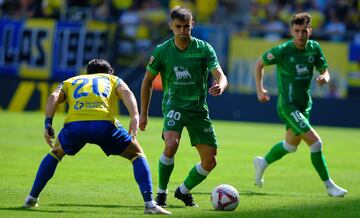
{"x":260,"y":165}
{"x":336,"y":191}
{"x":31,"y":202}
{"x":156,"y":210}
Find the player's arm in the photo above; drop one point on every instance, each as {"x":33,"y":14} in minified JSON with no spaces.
{"x":220,"y":83}
{"x":323,"y":78}
{"x":127,"y":96}
{"x":146,"y":92}
{"x":56,"y":97}
{"x":261,"y":92}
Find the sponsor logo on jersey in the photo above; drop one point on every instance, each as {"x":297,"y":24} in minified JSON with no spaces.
{"x":301,"y":69}
{"x":210,"y":129}
{"x":78,"y":105}
{"x":269,"y":56}
{"x":181,"y":73}
{"x":96,"y":104}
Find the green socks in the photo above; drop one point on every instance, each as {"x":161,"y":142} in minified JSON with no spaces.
{"x":317,"y":158}
{"x":196,"y":175}
{"x":166,"y":166}
{"x":318,"y":161}
{"x":276,"y":153}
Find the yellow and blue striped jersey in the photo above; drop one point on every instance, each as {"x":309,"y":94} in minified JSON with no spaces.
{"x":91,"y":97}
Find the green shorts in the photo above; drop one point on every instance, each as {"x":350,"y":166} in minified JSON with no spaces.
{"x":295,"y":119}
{"x":198,"y":125}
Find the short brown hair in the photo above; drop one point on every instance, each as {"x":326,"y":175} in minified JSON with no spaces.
{"x":300,"y":19}
{"x":99,"y":66}
{"x":181,"y":13}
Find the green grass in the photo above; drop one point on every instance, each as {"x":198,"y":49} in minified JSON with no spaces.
{"x":93,"y":185}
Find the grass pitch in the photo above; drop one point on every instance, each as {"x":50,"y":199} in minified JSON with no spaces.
{"x":93,"y":185}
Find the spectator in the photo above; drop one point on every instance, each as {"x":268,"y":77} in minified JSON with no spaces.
{"x":205,"y":9}
{"x":52,"y":8}
{"x":335,"y":29}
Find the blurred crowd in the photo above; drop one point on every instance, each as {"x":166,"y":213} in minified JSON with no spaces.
{"x":335,"y":20}
{"x":143,"y":23}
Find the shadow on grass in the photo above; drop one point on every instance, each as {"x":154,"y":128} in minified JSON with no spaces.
{"x":334,"y":208}
{"x":254,"y":193}
{"x":97,"y":206}
{"x":21,"y":209}
{"x":246,"y":193}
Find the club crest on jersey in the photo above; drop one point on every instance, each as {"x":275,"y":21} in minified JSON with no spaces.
{"x":171,"y":123}
{"x":181,"y":73}
{"x":270,"y":56}
{"x":311,"y":59}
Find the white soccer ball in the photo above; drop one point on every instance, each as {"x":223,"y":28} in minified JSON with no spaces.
{"x":225,"y":197}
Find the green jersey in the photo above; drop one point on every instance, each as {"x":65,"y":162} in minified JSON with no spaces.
{"x":295,"y":71}
{"x":184,"y":74}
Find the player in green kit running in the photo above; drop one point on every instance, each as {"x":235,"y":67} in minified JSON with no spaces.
{"x":184,"y":63}
{"x":295,"y":61}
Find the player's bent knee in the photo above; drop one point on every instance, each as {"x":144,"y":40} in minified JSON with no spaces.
{"x":209,"y":165}
{"x":172,"y":143}
{"x":137,"y":156}
{"x":170,"y":149}
{"x":316,"y":147}
{"x":57,"y":152}
{"x":132,"y":150}
{"x":289,"y":148}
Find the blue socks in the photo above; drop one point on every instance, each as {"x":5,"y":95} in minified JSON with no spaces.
{"x":143,"y":177}
{"x":49,"y":163}
{"x":45,"y":172}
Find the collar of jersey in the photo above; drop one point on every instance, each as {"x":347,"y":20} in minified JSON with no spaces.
{"x":294,"y":46}
{"x":177,"y":49}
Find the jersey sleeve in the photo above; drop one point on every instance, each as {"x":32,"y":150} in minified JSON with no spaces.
{"x":271,"y":56}
{"x":63,"y":87}
{"x":116,"y":80}
{"x":211,"y":58}
{"x":155,"y":62}
{"x":321,"y":63}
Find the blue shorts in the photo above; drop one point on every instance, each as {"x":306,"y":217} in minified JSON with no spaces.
{"x":111,"y":139}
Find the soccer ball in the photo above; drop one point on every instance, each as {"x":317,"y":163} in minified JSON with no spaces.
{"x":225,"y":197}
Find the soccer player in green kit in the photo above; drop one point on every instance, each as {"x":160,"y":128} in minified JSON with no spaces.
{"x":295,"y":61}
{"x":184,"y":63}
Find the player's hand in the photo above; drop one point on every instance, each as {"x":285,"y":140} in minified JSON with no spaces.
{"x":263,"y":96}
{"x":321,"y":80}
{"x":143,"y":122}
{"x":49,"y":135}
{"x":134,"y":126}
{"x":215,"y":89}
